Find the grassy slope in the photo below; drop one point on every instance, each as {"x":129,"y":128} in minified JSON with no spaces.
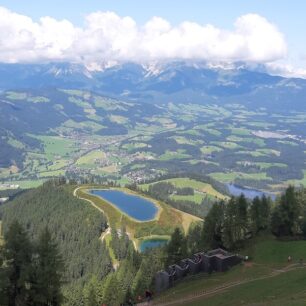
{"x":196,"y":185}
{"x":269,"y":259}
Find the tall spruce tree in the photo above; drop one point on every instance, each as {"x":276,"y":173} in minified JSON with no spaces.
{"x":194,"y":239}
{"x":17,"y":255}
{"x":260,"y":214}
{"x":286,"y":215}
{"x":49,"y":269}
{"x":176,"y":248}
{"x":211,"y":237}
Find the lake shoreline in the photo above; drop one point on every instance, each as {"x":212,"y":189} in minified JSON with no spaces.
{"x":130,"y":193}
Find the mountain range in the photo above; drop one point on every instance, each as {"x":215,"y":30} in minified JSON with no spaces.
{"x":176,"y":82}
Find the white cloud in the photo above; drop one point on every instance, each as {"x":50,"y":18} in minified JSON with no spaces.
{"x":106,"y":37}
{"x":286,"y":70}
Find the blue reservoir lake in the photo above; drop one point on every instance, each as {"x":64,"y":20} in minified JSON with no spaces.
{"x":151,"y":244}
{"x":134,"y":206}
{"x":248,"y":193}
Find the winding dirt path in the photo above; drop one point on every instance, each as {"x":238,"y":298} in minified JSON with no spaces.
{"x":91,"y":202}
{"x":108,"y":230}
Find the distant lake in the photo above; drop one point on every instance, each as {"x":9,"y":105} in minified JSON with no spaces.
{"x":134,"y":206}
{"x":248,"y":193}
{"x":151,"y":244}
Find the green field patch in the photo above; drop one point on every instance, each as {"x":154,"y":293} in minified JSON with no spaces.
{"x":169,"y":155}
{"x":55,"y":173}
{"x":226,"y":144}
{"x":196,"y":198}
{"x":27,"y":184}
{"x":185,"y":140}
{"x":109,"y":169}
{"x":135,"y":145}
{"x":258,"y":141}
{"x":88,"y":126}
{"x":147,"y":128}
{"x":286,"y":142}
{"x":38,"y":99}
{"x":109,"y":104}
{"x":231,"y":176}
{"x":118,"y":119}
{"x":268,"y":250}
{"x":207,"y":128}
{"x":76,"y":92}
{"x":262,"y":165}
{"x":94,"y":117}
{"x":58,"y":164}
{"x":198,"y":186}
{"x":15,"y":143}
{"x":234,"y":138}
{"x":240,"y":131}
{"x":137,"y":166}
{"x":270,"y":152}
{"x":164,"y":121}
{"x":210,"y":149}
{"x":56,"y":147}
{"x":260,"y":124}
{"x":204,"y":161}
{"x":265,"y":166}
{"x":91,"y":158}
{"x":79,"y":102}
{"x":190,"y":132}
{"x":12,"y":95}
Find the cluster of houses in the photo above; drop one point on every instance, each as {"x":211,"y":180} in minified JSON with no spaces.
{"x":213,"y":261}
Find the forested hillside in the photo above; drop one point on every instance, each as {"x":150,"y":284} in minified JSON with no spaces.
{"x":75,"y":226}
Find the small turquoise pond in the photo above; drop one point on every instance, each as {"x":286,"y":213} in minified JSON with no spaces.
{"x":151,"y":244}
{"x":134,"y":206}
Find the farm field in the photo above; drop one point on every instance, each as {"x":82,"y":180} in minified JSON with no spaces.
{"x":201,"y":189}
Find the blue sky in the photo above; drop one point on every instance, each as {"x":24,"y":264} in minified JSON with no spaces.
{"x":288,"y":16}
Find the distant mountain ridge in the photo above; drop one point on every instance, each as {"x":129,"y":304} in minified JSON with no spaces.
{"x":165,"y":82}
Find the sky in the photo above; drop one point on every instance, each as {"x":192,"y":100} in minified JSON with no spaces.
{"x":269,"y":32}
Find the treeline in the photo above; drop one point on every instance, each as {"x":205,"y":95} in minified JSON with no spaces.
{"x":31,"y":272}
{"x":230,"y":225}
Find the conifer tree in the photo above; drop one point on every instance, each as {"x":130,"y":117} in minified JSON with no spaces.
{"x":176,"y":248}
{"x":49,"y":270}
{"x":285,"y":218}
{"x":211,"y":236}
{"x":17,"y":255}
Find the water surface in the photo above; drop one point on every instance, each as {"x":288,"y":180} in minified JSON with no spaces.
{"x":134,"y":206}
{"x":151,"y":244}
{"x":236,"y":190}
